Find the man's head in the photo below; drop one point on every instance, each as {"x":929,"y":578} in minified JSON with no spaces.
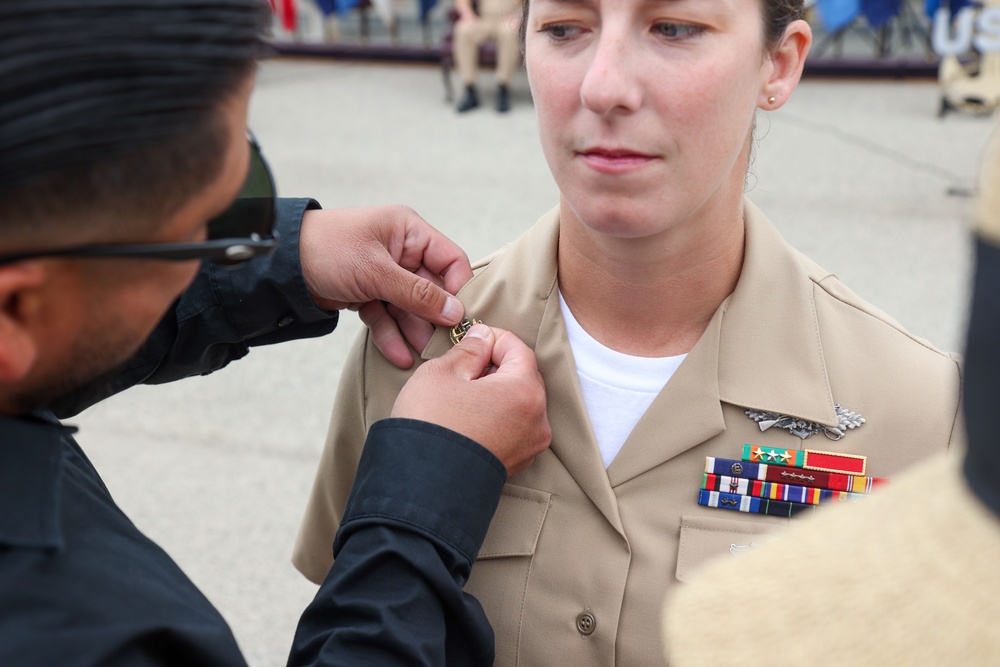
{"x":121,"y":121}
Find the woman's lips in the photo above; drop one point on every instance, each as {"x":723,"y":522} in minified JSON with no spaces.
{"x":614,"y":161}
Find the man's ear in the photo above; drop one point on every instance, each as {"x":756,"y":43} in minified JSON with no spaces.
{"x":20,"y":286}
{"x":786,"y":64}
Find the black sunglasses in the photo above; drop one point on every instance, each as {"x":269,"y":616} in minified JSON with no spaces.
{"x":243,"y":231}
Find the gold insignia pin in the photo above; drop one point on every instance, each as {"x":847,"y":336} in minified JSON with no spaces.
{"x":458,"y":331}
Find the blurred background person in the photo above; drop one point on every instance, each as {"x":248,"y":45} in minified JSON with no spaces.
{"x":479,"y":21}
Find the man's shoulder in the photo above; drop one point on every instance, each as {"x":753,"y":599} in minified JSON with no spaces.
{"x":94,"y":605}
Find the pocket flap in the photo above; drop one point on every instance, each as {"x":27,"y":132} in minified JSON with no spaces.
{"x":704,"y":538}
{"x":517,"y":523}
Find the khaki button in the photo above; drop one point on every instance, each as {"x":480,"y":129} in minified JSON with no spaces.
{"x":586,"y":623}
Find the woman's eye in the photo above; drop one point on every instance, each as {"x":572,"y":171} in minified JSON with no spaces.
{"x":676,"y":30}
{"x":560,"y":32}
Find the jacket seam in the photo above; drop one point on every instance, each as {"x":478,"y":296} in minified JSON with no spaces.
{"x":819,"y":346}
{"x":956,"y":417}
{"x":903,"y":332}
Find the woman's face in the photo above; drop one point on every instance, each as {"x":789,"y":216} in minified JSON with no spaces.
{"x":645,"y":107}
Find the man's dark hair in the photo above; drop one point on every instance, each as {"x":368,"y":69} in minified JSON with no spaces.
{"x":110,"y":110}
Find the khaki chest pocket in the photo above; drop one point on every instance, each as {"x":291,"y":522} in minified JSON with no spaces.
{"x":499,"y":577}
{"x":705,"y":538}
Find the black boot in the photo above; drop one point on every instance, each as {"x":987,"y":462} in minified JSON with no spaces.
{"x":470,"y":101}
{"x":503,"y":99}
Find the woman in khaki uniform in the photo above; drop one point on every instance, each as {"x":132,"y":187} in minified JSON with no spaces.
{"x":671,"y":323}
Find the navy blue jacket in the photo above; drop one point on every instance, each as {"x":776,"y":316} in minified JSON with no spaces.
{"x":81,"y":585}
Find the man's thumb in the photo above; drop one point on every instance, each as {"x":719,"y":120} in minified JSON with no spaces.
{"x":473,"y":353}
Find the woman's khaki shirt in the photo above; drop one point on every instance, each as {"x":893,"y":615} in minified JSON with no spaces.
{"x":578,"y":558}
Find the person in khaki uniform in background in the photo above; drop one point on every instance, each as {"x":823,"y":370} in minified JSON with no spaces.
{"x":662,"y":306}
{"x":907,"y":578}
{"x":496,"y":20}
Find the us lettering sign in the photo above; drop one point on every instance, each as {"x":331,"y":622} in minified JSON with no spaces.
{"x":978,"y":29}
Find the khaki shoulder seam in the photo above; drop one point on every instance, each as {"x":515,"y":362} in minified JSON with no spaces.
{"x":832,"y":286}
{"x":483,"y":262}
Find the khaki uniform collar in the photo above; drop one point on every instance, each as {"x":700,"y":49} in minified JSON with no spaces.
{"x":761,"y":350}
{"x":512,"y":285}
{"x":764,"y":341}
{"x":770,"y":349}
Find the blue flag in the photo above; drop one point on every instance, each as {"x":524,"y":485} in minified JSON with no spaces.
{"x":954,"y":5}
{"x":339,"y":6}
{"x":878,"y":12}
{"x":425,"y":8}
{"x":838,"y":14}
{"x":345,"y":6}
{"x":327,"y":6}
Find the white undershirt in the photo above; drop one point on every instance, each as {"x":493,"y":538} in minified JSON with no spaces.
{"x":617,"y":388}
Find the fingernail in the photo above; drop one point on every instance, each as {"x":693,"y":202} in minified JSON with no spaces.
{"x":478,"y":331}
{"x":453,"y":310}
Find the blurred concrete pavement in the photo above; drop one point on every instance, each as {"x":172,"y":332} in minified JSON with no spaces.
{"x":860,"y":175}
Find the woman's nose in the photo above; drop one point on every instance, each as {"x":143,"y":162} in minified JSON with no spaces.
{"x":611,"y":84}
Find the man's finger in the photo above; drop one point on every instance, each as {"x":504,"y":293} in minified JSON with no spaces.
{"x":444,"y":258}
{"x":416,"y":331}
{"x":417,"y":295}
{"x":428,"y":250}
{"x":511,"y":355}
{"x":385,"y":334}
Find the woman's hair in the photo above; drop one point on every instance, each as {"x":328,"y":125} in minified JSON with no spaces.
{"x":777,"y":15}
{"x":111,"y":110}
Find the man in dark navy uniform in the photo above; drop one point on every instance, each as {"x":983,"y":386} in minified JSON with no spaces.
{"x":142,"y":243}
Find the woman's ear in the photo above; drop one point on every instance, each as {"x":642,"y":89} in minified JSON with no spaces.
{"x":786,"y":64}
{"x":20,"y":286}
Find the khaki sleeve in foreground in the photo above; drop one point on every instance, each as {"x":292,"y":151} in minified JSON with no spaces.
{"x":908,"y":577}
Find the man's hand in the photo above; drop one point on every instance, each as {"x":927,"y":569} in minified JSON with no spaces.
{"x":388,"y":264}
{"x":501,"y":406}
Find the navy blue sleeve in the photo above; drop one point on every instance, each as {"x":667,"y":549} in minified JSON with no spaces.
{"x":421,"y":504}
{"x":220,"y":316}
{"x":982,"y":378}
